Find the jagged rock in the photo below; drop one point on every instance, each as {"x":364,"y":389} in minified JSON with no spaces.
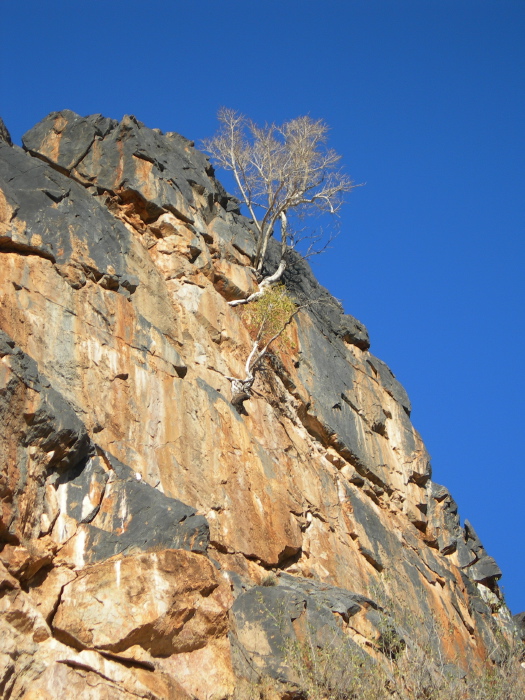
{"x":49,"y":669}
{"x":118,"y":514}
{"x":59,"y":220}
{"x":390,"y":383}
{"x":136,"y":497}
{"x":472,"y":540}
{"x":39,"y":433}
{"x":4,"y":133}
{"x":128,"y":159}
{"x":352,"y":331}
{"x":484,"y":569}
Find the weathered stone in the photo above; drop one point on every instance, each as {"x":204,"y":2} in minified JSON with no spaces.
{"x":472,"y":540}
{"x":160,"y":172}
{"x":352,"y":331}
{"x":203,"y":673}
{"x":269,"y":624}
{"x":59,"y":220}
{"x":49,"y":669}
{"x":4,"y":133}
{"x":162,"y":601}
{"x":17,"y":610}
{"x":45,"y":589}
{"x":121,"y":514}
{"x":338,"y":600}
{"x":39,"y":434}
{"x":119,"y":253}
{"x":484,"y":570}
{"x":25,"y":562}
{"x":392,"y":386}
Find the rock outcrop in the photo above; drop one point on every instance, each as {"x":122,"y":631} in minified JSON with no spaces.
{"x":157,"y":543}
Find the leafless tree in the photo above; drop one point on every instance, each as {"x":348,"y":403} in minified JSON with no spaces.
{"x":279,"y":169}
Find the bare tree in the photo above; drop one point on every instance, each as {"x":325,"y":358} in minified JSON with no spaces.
{"x":279,"y":169}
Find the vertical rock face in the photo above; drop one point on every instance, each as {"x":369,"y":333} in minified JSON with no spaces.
{"x":140,"y":511}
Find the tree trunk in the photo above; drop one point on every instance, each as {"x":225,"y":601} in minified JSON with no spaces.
{"x":266,"y":283}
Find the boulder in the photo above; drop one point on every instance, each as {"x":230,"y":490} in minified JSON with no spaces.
{"x":162,"y":601}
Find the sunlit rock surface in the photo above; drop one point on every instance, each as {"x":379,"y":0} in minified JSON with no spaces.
{"x":155,"y":542}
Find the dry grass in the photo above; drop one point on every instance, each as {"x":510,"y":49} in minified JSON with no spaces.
{"x":339,"y":672}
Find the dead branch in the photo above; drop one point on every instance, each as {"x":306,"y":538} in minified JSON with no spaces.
{"x":279,"y":169}
{"x":242,"y":388}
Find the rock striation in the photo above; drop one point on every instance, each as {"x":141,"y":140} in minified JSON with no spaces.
{"x":157,"y":543}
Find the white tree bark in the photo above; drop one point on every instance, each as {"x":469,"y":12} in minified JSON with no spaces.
{"x":265,"y":284}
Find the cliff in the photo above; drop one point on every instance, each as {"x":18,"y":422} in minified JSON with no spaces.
{"x":157,"y":543}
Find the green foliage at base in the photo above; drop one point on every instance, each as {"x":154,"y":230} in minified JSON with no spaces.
{"x":269,"y":315}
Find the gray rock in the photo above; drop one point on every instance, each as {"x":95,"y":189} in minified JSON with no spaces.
{"x":152,"y":520}
{"x":354,"y":332}
{"x":40,"y":435}
{"x":76,"y":135}
{"x":338,"y":600}
{"x":266,"y":641}
{"x":63,"y":221}
{"x":136,"y":517}
{"x":438,"y":492}
{"x":4,"y":133}
{"x":125,"y":153}
{"x":390,"y":383}
{"x":465,"y":556}
{"x":236,"y":230}
{"x":472,"y":540}
{"x":519,"y":621}
{"x":54,"y":425}
{"x":484,"y":571}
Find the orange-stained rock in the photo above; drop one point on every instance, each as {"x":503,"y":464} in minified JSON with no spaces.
{"x":17,"y":609}
{"x":25,"y":562}
{"x":205,"y":672}
{"x":164,"y":602}
{"x":31,"y":671}
{"x":122,"y":457}
{"x":45,"y":589}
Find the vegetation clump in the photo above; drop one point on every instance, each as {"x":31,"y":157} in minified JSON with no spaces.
{"x":266,"y":319}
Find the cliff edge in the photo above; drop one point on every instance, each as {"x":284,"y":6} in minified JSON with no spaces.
{"x":156,"y":542}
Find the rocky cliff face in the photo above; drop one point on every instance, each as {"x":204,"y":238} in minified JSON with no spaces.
{"x":143,"y":517}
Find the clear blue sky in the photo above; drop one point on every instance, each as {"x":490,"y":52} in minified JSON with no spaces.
{"x":426,"y":103}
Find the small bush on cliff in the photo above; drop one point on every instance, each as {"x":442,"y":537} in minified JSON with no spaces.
{"x":267,"y":319}
{"x":269,"y":580}
{"x":337,"y":672}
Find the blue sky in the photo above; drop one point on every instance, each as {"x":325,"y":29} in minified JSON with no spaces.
{"x":426,"y":104}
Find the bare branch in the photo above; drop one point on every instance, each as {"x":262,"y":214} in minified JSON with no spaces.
{"x":242,"y":388}
{"x":279,"y":169}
